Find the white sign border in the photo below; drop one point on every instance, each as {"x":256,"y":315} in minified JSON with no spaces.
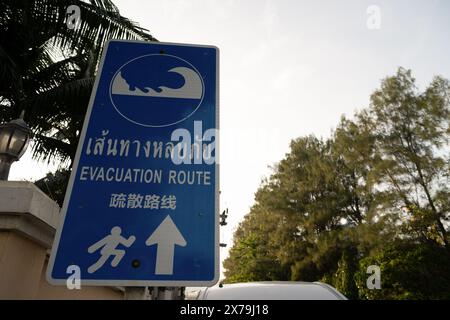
{"x":137,"y":283}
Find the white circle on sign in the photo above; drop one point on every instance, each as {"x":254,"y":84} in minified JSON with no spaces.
{"x":156,"y":90}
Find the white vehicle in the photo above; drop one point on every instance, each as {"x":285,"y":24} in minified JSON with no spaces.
{"x":268,"y":290}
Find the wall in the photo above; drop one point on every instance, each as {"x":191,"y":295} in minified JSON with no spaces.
{"x":28,"y":220}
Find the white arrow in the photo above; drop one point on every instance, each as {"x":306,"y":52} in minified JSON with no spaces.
{"x":166,"y":236}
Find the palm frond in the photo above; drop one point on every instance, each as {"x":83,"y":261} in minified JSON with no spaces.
{"x":48,"y":149}
{"x":48,"y":69}
{"x":59,"y":99}
{"x":52,"y":74}
{"x":9,"y":78}
{"x":99,"y":21}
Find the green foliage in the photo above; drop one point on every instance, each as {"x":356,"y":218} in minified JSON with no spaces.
{"x":250,"y":259}
{"x":48,"y":69}
{"x":55,"y":185}
{"x":344,"y":277}
{"x":333,"y":204}
{"x":408,"y":271}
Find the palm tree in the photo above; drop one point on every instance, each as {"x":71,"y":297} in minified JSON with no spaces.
{"x":48,"y":69}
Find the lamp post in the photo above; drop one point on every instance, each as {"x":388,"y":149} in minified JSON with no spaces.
{"x":14,"y":138}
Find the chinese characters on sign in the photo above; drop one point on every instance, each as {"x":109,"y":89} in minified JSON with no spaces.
{"x":139,"y":201}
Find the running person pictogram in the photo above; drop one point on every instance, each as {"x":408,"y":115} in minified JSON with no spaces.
{"x":108,"y":247}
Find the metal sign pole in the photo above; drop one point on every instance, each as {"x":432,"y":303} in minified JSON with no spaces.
{"x":162,"y":293}
{"x":135,"y":293}
{"x":167,"y":293}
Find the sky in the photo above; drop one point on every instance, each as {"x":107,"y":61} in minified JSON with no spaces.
{"x":289,"y":69}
